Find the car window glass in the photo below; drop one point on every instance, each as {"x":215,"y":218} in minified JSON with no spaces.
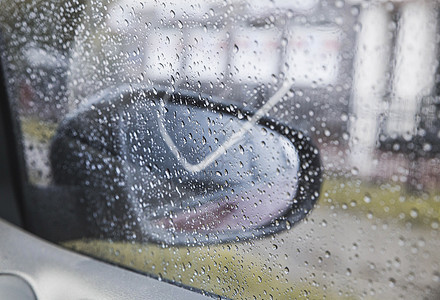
{"x":269,"y":149}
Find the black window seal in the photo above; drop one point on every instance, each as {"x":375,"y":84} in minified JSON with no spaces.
{"x":13,"y":147}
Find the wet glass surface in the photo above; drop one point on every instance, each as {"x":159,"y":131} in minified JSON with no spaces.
{"x":359,"y":80}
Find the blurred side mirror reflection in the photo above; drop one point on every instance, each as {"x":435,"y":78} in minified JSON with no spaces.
{"x":184,"y":169}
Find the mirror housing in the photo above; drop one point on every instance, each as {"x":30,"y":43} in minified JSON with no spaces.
{"x":182,"y":168}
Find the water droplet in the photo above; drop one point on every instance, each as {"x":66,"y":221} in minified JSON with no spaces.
{"x":391,"y":282}
{"x":235,"y":50}
{"x":354,"y":11}
{"x":427,"y":147}
{"x":339,"y":4}
{"x":355,"y":171}
{"x":241,"y":149}
{"x":414,"y":213}
{"x":436,"y":277}
{"x":367,"y":198}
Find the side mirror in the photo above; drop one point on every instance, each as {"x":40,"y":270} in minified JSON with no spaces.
{"x":180,"y":168}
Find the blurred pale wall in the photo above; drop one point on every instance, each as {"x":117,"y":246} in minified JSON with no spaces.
{"x":392,"y":73}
